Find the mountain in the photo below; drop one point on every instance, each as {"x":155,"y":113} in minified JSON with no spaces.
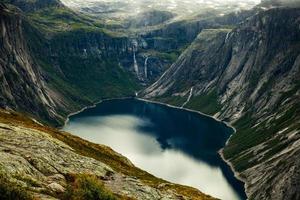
{"x":248,"y":76}
{"x":92,"y":60}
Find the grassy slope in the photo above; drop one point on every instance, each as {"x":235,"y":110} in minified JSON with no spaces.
{"x":101,"y":153}
{"x":248,"y":135}
{"x":206,"y":104}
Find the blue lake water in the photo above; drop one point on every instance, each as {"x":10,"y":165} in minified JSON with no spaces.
{"x":173,"y":144}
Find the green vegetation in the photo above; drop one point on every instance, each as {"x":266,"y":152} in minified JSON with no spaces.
{"x":91,"y":76}
{"x":58,"y":19}
{"x":86,"y":187}
{"x":11,"y":191}
{"x":207,"y":103}
{"x":28,"y":180}
{"x":172,"y":100}
{"x":248,"y":136}
{"x":81,"y":78}
{"x":169,"y":56}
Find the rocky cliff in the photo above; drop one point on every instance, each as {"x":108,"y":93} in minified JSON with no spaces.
{"x":23,"y":87}
{"x":248,"y":76}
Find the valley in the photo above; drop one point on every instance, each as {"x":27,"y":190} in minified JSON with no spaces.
{"x":236,"y":61}
{"x":153,"y":135}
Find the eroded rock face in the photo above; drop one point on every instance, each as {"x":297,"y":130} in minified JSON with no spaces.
{"x":248,"y":76}
{"x":22,"y":85}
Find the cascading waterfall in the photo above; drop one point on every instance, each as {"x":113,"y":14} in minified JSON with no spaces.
{"x":227,"y":36}
{"x":135,"y":64}
{"x":189,"y":98}
{"x":146,"y":67}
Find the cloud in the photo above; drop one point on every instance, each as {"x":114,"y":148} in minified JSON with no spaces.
{"x":181,"y":7}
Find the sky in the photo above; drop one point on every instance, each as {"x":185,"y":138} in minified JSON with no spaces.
{"x":177,"y":6}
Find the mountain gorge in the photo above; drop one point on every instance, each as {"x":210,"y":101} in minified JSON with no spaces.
{"x":67,"y":48}
{"x":239,"y":66}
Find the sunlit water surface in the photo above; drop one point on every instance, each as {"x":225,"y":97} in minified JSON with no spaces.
{"x":173,"y":144}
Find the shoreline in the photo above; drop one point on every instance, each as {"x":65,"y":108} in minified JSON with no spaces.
{"x":189,"y":110}
{"x":220,"y":152}
{"x":93,"y":105}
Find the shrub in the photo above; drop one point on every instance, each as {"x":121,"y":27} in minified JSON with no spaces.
{"x":86,"y":187}
{"x":10,"y":191}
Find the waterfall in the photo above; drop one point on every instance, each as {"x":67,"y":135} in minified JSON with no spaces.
{"x":189,"y":98}
{"x":227,"y":36}
{"x":146,"y":67}
{"x":135,"y":64}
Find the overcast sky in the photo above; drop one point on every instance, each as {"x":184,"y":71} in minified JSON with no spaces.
{"x":180,"y":7}
{"x":169,"y":3}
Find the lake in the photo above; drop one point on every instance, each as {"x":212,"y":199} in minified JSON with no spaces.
{"x":173,"y":144}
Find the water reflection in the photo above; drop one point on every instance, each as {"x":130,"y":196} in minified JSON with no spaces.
{"x":176,"y":145}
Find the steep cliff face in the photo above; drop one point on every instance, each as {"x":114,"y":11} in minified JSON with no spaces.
{"x":23,"y":87}
{"x":248,"y":76}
